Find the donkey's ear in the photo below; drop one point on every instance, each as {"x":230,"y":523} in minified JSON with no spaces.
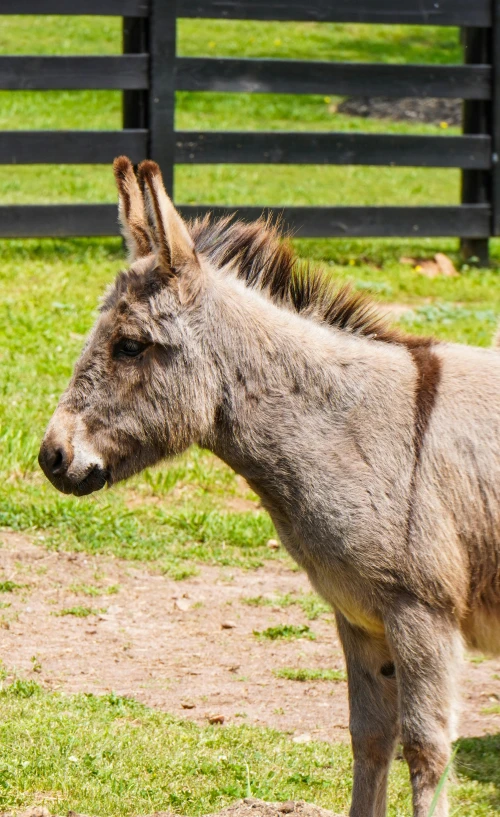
{"x":131,"y":210}
{"x":174,"y":243}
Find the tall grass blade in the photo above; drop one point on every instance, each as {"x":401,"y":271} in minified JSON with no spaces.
{"x":442,"y":783}
{"x":249,"y":787}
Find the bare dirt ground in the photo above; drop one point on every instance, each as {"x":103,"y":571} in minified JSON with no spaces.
{"x":405,"y":109}
{"x":250,"y":807}
{"x":187,"y":647}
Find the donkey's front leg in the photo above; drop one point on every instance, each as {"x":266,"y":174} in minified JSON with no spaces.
{"x":373,"y":716}
{"x":426,"y":646}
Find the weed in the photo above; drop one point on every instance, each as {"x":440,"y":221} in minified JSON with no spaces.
{"x":35,"y":664}
{"x":303,"y":674}
{"x":477,"y":659}
{"x":9,"y":586}
{"x":80,"y":612}
{"x":286,"y":631}
{"x":442,"y":783}
{"x":93,"y":590}
{"x":312,"y":605}
{"x":491,"y":710}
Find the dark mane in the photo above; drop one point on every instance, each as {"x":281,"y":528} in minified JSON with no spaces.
{"x":257,"y":254}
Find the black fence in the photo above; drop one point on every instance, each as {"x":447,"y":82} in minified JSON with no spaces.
{"x":149,"y":73}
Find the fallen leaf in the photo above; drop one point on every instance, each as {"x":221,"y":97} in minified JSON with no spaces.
{"x":446,"y":265}
{"x":441,"y":264}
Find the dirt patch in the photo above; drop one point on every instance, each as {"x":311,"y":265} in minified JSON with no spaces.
{"x":97,"y":624}
{"x":395,"y":310}
{"x":250,"y":807}
{"x":406,"y":109}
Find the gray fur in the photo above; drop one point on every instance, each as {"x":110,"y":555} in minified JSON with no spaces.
{"x":395,"y":520}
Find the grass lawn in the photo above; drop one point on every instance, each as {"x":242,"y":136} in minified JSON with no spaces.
{"x":109,"y":756}
{"x":112,"y":756}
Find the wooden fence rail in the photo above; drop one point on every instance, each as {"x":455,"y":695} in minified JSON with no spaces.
{"x":149,"y":72}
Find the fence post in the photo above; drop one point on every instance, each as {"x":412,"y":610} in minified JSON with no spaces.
{"x":161,"y":109}
{"x":495,"y":119}
{"x":135,"y":103}
{"x":476,"y":119}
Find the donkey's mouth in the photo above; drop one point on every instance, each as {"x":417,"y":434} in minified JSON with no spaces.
{"x":93,"y":481}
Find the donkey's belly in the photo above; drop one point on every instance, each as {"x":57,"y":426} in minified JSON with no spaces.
{"x":350,"y":599}
{"x":481,"y":629}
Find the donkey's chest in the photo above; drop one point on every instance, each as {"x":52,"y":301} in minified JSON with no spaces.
{"x":349,"y":595}
{"x":337,"y":581}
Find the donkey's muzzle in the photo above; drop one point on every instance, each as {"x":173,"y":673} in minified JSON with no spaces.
{"x":56,"y":462}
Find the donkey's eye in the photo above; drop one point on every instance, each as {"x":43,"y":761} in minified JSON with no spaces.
{"x":127,"y":347}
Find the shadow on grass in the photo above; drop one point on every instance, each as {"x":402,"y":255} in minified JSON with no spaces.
{"x":478,"y":760}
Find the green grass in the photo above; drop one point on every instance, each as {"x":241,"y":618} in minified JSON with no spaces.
{"x":286,"y":632}
{"x":310,"y":603}
{"x":491,"y":710}
{"x":111,"y":756}
{"x":303,"y":674}
{"x":79,"y":612}
{"x":9,"y":586}
{"x":228,"y":184}
{"x":93,"y":590}
{"x":91,"y":35}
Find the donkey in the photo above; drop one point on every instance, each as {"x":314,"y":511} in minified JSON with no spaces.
{"x":376,"y":453}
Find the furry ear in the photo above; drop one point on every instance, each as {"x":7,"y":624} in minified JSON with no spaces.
{"x":131,"y":210}
{"x":174,"y":243}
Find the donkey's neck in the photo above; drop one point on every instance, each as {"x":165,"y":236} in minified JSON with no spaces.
{"x":288,"y":387}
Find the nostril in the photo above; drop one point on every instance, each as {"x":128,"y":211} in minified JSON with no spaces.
{"x":58,"y":462}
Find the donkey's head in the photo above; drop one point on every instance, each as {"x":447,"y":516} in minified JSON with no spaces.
{"x":144,"y":387}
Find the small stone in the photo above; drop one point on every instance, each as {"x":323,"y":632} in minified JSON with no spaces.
{"x":183,"y":604}
{"x":287,"y":807}
{"x":234,"y":668}
{"x":305,"y":738}
{"x":216,"y":719}
{"x":227,"y":625}
{"x":188,"y":705}
{"x":273,"y":544}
